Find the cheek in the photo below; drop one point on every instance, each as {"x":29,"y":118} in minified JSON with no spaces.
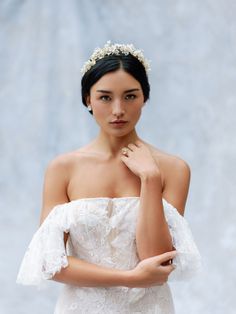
{"x":137,"y":115}
{"x":98,"y":109}
{"x":136,"y":109}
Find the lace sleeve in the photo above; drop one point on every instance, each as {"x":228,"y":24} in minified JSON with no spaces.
{"x":46,"y":253}
{"x":188,"y":259}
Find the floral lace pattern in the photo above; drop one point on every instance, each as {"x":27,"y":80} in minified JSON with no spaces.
{"x":102,"y":231}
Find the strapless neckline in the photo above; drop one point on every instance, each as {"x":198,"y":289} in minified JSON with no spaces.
{"x":102,"y":198}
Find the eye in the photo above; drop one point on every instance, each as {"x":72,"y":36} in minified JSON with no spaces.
{"x":130,"y":96}
{"x":105,"y":97}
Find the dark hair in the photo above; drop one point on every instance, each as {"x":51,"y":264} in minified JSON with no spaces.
{"x":112,"y":63}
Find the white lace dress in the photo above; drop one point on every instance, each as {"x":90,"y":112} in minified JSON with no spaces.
{"x":102,"y":231}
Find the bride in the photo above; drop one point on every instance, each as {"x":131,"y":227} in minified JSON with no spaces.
{"x":112,"y":227}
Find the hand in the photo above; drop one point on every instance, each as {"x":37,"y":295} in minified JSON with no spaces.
{"x":151,"y":272}
{"x":139,"y":159}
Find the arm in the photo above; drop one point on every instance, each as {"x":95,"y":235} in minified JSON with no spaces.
{"x":82,"y":273}
{"x":152,"y":222}
{"x":152,"y":233}
{"x":177,"y":184}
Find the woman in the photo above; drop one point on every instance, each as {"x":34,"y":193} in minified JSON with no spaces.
{"x":112,"y":215}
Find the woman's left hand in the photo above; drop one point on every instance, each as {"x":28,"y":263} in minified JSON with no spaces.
{"x":139,"y":159}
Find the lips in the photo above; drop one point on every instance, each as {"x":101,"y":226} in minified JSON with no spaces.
{"x":118,"y":121}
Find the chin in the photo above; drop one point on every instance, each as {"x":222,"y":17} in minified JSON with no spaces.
{"x":119,"y":133}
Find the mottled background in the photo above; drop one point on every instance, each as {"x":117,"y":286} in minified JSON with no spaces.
{"x":191,"y":114}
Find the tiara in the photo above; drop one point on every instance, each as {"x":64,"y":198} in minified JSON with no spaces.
{"x":115,"y":49}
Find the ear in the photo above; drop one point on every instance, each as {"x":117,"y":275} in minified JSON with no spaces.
{"x":87,"y":100}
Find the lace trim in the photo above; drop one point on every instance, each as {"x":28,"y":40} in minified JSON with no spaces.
{"x":46,"y":253}
{"x":87,"y":222}
{"x":188,"y":260}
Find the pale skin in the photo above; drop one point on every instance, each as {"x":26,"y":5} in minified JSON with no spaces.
{"x":143,"y":171}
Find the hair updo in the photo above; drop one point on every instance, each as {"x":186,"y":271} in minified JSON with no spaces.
{"x":112,"y":63}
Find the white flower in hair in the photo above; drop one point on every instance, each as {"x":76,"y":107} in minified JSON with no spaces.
{"x":115,"y":49}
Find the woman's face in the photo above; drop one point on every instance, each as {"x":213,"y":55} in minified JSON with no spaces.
{"x":116,"y":96}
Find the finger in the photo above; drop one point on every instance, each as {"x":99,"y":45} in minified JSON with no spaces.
{"x":132,"y":146}
{"x":138,"y":143}
{"x":168,"y":269}
{"x":125,"y":151}
{"x":124,"y":158}
{"x":166,"y":256}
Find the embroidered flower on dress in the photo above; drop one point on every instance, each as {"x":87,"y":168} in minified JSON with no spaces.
{"x":115,"y":49}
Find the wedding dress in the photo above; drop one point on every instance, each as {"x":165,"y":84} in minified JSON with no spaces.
{"x":102,"y":231}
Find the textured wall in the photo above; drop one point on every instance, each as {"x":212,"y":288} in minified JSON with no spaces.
{"x":191,"y":113}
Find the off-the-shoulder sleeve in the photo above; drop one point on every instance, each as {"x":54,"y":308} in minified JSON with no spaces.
{"x":188,"y":259}
{"x":46,"y":253}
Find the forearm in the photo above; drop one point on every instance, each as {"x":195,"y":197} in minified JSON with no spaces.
{"x":85,"y":274}
{"x":152,"y":232}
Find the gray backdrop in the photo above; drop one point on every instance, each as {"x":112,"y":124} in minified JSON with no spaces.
{"x":191,"y":114}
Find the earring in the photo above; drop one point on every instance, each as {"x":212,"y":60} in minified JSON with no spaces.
{"x":89,"y":108}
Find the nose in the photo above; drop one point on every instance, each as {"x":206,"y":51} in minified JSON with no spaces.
{"x":118,"y":109}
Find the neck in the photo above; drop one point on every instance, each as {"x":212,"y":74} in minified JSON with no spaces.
{"x":112,"y":145}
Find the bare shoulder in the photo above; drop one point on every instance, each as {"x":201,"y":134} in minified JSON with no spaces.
{"x":65,"y":161}
{"x":56,"y":170}
{"x":62,"y":166}
{"x":61,"y":162}
{"x":174,"y":164}
{"x":56,"y":179}
{"x":169,"y":162}
{"x":177,"y":174}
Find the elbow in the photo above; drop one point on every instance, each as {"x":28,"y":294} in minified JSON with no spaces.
{"x":149,"y":248}
{"x":150,"y":253}
{"x":58,"y":276}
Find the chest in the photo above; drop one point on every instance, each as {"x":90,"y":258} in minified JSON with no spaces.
{"x":96,"y":179}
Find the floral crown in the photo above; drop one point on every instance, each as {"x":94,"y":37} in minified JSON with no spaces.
{"x":115,"y":49}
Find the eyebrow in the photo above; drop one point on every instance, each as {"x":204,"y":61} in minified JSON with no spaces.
{"x":109,"y":92}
